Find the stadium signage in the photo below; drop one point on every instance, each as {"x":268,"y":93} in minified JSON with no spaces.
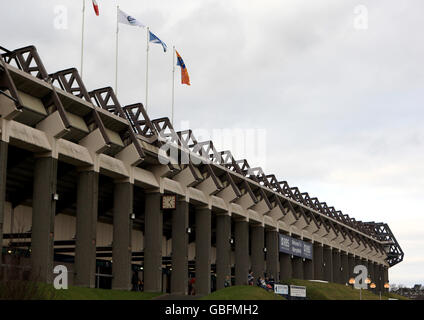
{"x":295,"y":247}
{"x":298,"y":291}
{"x":281,"y":289}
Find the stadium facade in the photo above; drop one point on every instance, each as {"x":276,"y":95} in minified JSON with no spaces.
{"x":91,"y":184}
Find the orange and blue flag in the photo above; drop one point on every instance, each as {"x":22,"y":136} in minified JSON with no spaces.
{"x":185,"y":79}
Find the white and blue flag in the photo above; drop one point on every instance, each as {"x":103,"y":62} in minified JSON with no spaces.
{"x":154,"y":39}
{"x":127,"y":19}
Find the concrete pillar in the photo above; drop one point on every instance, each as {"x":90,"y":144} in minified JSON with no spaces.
{"x":241,"y":231}
{"x":285,"y":267}
{"x":351,"y":263}
{"x":336,"y":266}
{"x":378,"y":278}
{"x":43,"y":215}
{"x":272,"y":246}
{"x":3,"y":173}
{"x":203,"y":250}
{"x":385,"y":277}
{"x":344,"y":268}
{"x":328,"y":264}
{"x":153,"y":232}
{"x":370,"y":266}
{"x":179,"y":277}
{"x":122,"y":226}
{"x":223,"y":249}
{"x":372,"y":274}
{"x":318,"y":261}
{"x":297,"y":268}
{"x":308,"y":270}
{"x":85,"y":245}
{"x":359,"y":261}
{"x":257,"y":239}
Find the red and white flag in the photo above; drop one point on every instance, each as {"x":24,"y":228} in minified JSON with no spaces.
{"x":96,"y":7}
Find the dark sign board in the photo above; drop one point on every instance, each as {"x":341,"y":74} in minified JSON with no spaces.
{"x":295,"y":247}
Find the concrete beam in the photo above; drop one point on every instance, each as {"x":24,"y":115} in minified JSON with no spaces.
{"x":122,"y":226}
{"x":241,"y":231}
{"x":43,"y":215}
{"x":3,"y":173}
{"x":223,"y":249}
{"x":153,"y":231}
{"x":179,"y":276}
{"x":203,"y":250}
{"x":86,"y":234}
{"x":272,"y":246}
{"x":257,"y":244}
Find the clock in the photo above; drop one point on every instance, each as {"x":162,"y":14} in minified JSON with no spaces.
{"x":169,"y":202}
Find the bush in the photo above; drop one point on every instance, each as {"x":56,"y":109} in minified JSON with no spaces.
{"x":18,"y":282}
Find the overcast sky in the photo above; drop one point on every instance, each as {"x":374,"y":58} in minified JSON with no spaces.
{"x":339,"y":106}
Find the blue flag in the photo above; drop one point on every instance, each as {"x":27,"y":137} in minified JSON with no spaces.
{"x":155,"y":39}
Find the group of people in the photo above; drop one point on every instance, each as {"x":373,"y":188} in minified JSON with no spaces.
{"x":266,"y":283}
{"x":137,"y":284}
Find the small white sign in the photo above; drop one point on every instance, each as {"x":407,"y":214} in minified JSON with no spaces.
{"x":281,"y":289}
{"x":298,"y":291}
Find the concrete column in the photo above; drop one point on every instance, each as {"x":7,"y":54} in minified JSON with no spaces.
{"x":285,"y":267}
{"x":370,"y":266}
{"x":336,"y":266}
{"x":385,"y":276}
{"x":297,"y":268}
{"x":241,"y":251}
{"x":359,"y":261}
{"x":378,"y":278}
{"x":272,"y":246}
{"x":122,"y":226}
{"x":257,"y":239}
{"x":318,"y":261}
{"x":85,"y":246}
{"x":308,"y":270}
{"x":203,"y":250}
{"x":3,"y":173}
{"x":345,"y":268}
{"x":179,"y":277}
{"x":372,"y":274}
{"x":223,"y":249}
{"x":43,"y":215}
{"x":153,"y":232}
{"x":351,"y":262}
{"x":328,"y":264}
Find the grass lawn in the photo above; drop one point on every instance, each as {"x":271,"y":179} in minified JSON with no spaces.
{"x":242,"y":293}
{"x":77,"y":293}
{"x":47,"y":292}
{"x":335,"y":291}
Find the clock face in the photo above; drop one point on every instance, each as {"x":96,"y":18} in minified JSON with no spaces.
{"x":168,"y":202}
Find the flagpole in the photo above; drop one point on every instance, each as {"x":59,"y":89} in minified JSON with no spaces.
{"x":82,"y":36}
{"x":116,"y":58}
{"x":147,"y":66}
{"x":173,"y":84}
